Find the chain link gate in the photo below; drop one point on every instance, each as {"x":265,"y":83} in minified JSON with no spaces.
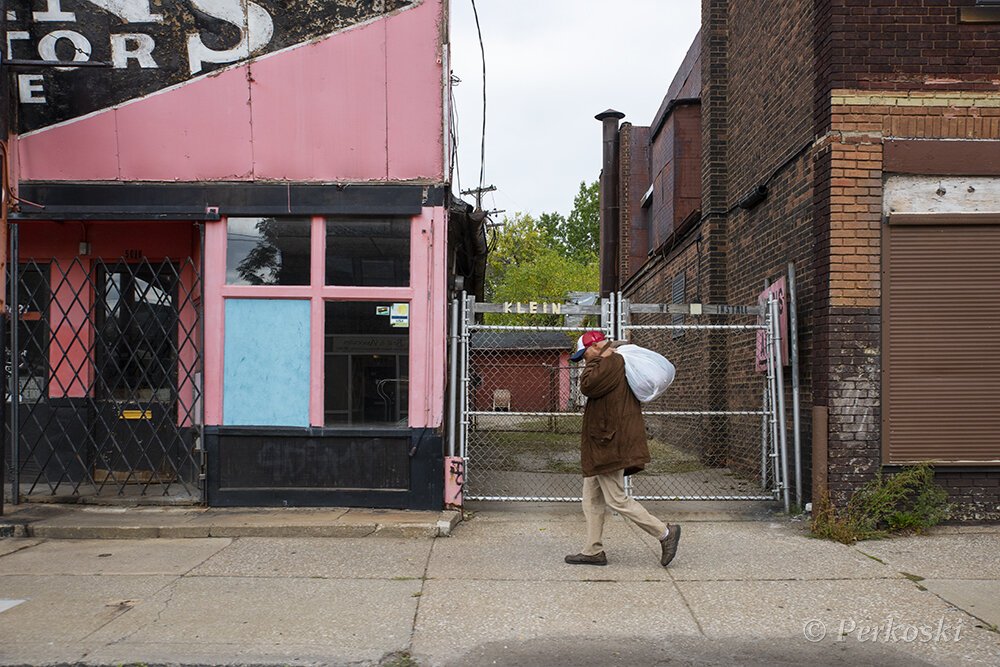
{"x":712,"y":436}
{"x":105,"y":368}
{"x":521,"y":411}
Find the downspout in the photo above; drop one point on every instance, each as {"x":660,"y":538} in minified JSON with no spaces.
{"x":609,"y":201}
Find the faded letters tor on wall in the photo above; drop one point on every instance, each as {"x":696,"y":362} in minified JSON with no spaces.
{"x":147,"y":46}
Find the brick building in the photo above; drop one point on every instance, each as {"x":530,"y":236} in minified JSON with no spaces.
{"x":860,"y":140}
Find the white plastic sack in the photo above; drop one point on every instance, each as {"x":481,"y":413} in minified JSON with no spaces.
{"x":648,"y":373}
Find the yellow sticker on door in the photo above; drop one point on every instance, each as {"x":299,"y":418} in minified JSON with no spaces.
{"x":137,"y":414}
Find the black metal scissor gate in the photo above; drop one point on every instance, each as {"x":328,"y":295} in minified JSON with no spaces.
{"x":104,"y":371}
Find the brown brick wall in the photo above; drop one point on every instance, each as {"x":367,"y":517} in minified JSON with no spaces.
{"x":909,"y":45}
{"x":714,"y":137}
{"x":851,"y":319}
{"x":801,"y":95}
{"x":633,"y":179}
{"x":771,"y":71}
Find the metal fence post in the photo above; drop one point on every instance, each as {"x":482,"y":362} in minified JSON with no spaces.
{"x":764,"y":414}
{"x":467,"y":312}
{"x":3,"y":412}
{"x":793,"y":346}
{"x":15,"y":373}
{"x":780,"y":386}
{"x":453,"y":381}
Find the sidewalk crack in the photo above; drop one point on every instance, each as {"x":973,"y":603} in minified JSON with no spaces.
{"x":687,"y":605}
{"x":117,"y":616}
{"x":420,"y":594}
{"x":22,"y":548}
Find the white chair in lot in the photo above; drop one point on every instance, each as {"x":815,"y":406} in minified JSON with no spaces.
{"x":501,"y":400}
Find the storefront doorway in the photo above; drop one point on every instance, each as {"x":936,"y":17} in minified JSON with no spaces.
{"x":105,"y":368}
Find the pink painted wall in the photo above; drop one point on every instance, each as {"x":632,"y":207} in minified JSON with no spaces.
{"x":361,"y":105}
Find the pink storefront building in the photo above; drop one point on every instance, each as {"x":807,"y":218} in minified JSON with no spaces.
{"x":228,"y":257}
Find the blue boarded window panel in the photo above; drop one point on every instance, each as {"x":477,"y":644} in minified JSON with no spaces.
{"x":266,"y":374}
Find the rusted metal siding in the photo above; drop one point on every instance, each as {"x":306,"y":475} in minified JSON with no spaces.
{"x":941,"y":339}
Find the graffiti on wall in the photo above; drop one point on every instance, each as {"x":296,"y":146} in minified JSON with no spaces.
{"x":148,"y":45}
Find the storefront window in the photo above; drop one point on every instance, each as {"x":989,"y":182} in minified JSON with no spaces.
{"x":267,"y":251}
{"x":368,"y":253}
{"x":366,"y":363}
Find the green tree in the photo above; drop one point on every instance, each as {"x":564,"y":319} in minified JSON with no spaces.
{"x":553,"y":229}
{"x":516,"y":239}
{"x":547,"y":277}
{"x":525,"y":264}
{"x":584,"y":222}
{"x":577,"y":236}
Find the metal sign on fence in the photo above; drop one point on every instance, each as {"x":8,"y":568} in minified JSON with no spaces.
{"x":713,"y":436}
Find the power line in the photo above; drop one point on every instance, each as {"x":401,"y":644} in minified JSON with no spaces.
{"x":482,"y":51}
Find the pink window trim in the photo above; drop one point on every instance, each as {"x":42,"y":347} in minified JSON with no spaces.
{"x":424,"y":319}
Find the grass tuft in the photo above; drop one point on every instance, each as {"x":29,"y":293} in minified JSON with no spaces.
{"x":908,"y":501}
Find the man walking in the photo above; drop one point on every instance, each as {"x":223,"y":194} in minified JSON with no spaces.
{"x":612,"y":445}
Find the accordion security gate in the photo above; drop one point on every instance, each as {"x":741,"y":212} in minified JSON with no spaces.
{"x":713,"y":435}
{"x":105,"y":367}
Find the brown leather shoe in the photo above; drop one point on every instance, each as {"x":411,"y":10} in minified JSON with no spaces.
{"x":669,"y":544}
{"x":584,"y":559}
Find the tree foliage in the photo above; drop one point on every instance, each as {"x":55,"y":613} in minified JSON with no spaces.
{"x":542,"y":259}
{"x":584,"y":222}
{"x":577,"y":236}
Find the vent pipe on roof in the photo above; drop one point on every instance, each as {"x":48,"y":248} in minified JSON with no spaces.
{"x":609,"y":201}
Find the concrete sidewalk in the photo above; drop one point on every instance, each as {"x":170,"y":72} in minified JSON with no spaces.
{"x":497,"y":593}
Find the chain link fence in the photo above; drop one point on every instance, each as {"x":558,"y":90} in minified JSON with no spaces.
{"x":709,"y":435}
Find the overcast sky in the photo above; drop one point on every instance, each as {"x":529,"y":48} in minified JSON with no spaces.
{"x":551,"y":65}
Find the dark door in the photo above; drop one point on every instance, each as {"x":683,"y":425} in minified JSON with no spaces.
{"x":135,"y":431}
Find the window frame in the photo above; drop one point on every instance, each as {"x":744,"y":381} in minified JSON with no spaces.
{"x":318,"y":293}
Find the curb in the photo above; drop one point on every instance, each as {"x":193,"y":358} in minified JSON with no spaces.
{"x":42,"y":529}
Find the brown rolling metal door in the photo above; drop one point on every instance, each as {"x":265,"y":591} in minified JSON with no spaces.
{"x":941,"y":339}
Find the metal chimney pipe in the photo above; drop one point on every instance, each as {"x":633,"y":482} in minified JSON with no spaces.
{"x":609,"y":201}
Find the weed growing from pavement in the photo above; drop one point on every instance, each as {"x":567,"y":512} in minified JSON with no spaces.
{"x":908,"y":501}
{"x":916,"y":579}
{"x":401,"y":659}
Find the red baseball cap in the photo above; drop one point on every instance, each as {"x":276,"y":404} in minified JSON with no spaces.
{"x":585,"y":341}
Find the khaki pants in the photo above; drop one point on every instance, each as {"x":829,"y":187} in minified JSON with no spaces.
{"x":601,"y":492}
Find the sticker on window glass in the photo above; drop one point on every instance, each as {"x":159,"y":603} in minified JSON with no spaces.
{"x":382,"y":310}
{"x":400,"y":315}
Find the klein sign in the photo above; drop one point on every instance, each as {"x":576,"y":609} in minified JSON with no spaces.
{"x":153,"y":44}
{"x":532,"y":308}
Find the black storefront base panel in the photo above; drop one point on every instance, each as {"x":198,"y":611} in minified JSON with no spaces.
{"x":315,"y":467}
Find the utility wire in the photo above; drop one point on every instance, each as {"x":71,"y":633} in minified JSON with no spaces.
{"x":452,"y":82}
{"x":482,"y":51}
